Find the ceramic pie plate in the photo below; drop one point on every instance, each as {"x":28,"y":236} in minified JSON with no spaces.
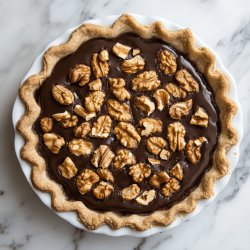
{"x":71,"y":217}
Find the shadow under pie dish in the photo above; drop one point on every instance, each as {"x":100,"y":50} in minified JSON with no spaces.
{"x":127,"y":125}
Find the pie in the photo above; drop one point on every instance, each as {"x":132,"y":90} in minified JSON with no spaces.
{"x":127,"y":125}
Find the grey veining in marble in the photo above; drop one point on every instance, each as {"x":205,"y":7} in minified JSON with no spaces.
{"x":27,"y":26}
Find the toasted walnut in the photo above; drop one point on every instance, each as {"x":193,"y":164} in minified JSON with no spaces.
{"x":119,"y":111}
{"x":105,"y":174}
{"x":130,"y":192}
{"x":169,"y":188}
{"x":186,"y":81}
{"x":102,"y":157}
{"x":53,"y":142}
{"x":104,"y":55}
{"x":167,"y":62}
{"x":162,"y":98}
{"x":99,"y":67}
{"x":118,"y":89}
{"x":177,"y":172}
{"x":62,"y":95}
{"x":103,"y":190}
{"x":150,"y":125}
{"x":95,"y":85}
{"x":155,"y":144}
{"x":81,"y":111}
{"x":136,"y":52}
{"x":66,"y":119}
{"x":164,"y":154}
{"x":101,"y":128}
{"x":123,"y":157}
{"x":180,"y":109}
{"x":146,"y":81}
{"x":80,"y":73}
{"x":175,"y":91}
{"x":46,"y":124}
{"x":199,"y":118}
{"x":154,"y":161}
{"x":121,"y":50}
{"x":175,"y":134}
{"x":94,"y":101}
{"x":133,"y":65}
{"x":127,"y":135}
{"x":157,"y":179}
{"x":193,"y":149}
{"x":85,"y":180}
{"x":80,"y":147}
{"x":139,"y":171}
{"x":82,"y":130}
{"x":67,"y":169}
{"x":146,"y":197}
{"x":144,"y":104}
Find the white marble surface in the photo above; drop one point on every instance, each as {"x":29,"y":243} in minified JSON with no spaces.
{"x":27,"y":26}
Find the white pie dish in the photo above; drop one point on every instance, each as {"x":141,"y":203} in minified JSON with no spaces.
{"x":71,"y":217}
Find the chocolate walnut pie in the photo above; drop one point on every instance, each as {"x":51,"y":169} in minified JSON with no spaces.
{"x":128,"y":125}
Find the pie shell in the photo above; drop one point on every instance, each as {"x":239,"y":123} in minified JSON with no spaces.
{"x":183,"y":41}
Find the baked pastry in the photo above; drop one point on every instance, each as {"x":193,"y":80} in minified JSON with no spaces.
{"x":127,"y":125}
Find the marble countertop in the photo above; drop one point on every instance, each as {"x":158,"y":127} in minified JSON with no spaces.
{"x":27,"y":26}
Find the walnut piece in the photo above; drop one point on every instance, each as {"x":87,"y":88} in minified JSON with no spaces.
{"x":101,"y":128}
{"x":200,"y":118}
{"x":175,"y":134}
{"x":162,"y":98}
{"x":170,"y":187}
{"x":157,"y":179}
{"x":104,"y":55}
{"x":102,"y":157}
{"x":146,"y":81}
{"x":81,"y":111}
{"x":132,"y":65}
{"x":180,"y":109}
{"x":175,"y":91}
{"x":144,"y":104}
{"x":95,"y":85}
{"x":155,"y":144}
{"x":66,"y":119}
{"x":127,"y":135}
{"x":94,"y":101}
{"x":103,"y":190}
{"x":46,"y":124}
{"x":139,"y":172}
{"x":119,"y":111}
{"x":117,"y":87}
{"x":167,"y":62}
{"x":154,"y":161}
{"x":86,"y":180}
{"x":67,"y":169}
{"x":130,"y":192}
{"x":193,"y":149}
{"x":164,"y":154}
{"x":136,"y":52}
{"x":53,"y":142}
{"x":177,"y":172}
{"x":99,"y":65}
{"x":105,"y":174}
{"x":150,"y":125}
{"x":186,"y":81}
{"x":80,"y":147}
{"x":80,"y":73}
{"x":82,"y":130}
{"x":146,"y":197}
{"x":62,"y":95}
{"x":123,"y":157}
{"x":121,"y":50}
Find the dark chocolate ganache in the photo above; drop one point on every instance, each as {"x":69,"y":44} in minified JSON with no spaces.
{"x":149,"y":48}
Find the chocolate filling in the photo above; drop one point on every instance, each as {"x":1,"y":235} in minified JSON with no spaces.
{"x":149,"y":49}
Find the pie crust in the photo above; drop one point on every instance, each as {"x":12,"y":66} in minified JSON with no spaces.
{"x":183,"y":41}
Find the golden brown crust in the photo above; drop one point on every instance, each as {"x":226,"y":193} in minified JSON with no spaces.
{"x":183,"y":41}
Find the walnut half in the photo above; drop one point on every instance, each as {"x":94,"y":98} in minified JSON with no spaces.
{"x":130,"y":192}
{"x":99,"y":63}
{"x":67,"y":169}
{"x":131,"y":66}
{"x":146,"y":197}
{"x":53,"y":142}
{"x":150,"y":125}
{"x":119,"y":111}
{"x":167,"y":62}
{"x":80,"y":73}
{"x":180,"y":109}
{"x":123,"y":157}
{"x":144,"y":104}
{"x":103,"y":190}
{"x":193,"y":149}
{"x":62,"y":95}
{"x":80,"y":147}
{"x":175,"y":134}
{"x":139,"y":172}
{"x":101,"y":128}
{"x":200,"y":118}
